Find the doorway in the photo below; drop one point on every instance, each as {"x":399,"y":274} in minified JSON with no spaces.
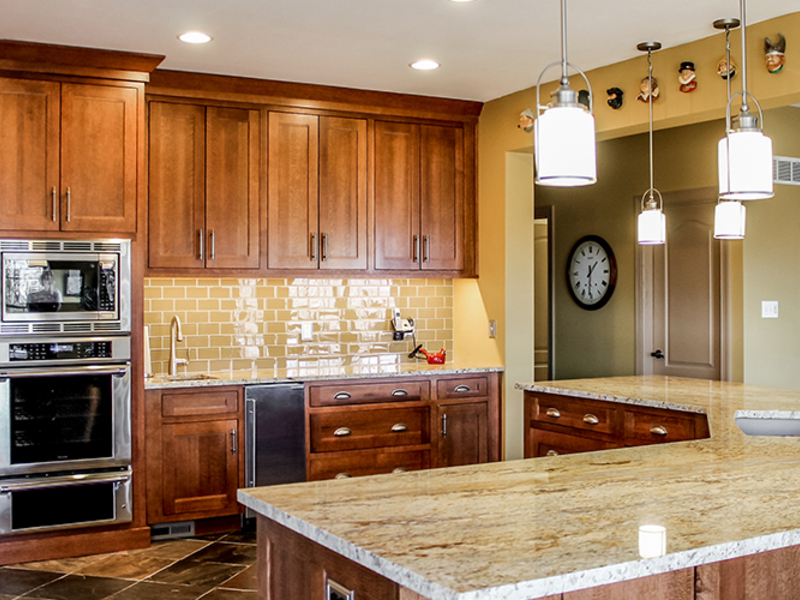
{"x":543,"y":289}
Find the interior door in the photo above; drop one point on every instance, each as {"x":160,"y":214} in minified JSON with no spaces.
{"x":679,"y":323}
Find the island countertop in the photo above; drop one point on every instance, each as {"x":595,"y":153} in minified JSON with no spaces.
{"x":526,"y":529}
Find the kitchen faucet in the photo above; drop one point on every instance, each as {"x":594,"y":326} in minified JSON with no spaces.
{"x":175,"y":336}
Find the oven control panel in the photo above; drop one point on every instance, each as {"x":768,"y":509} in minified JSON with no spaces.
{"x":59,"y":351}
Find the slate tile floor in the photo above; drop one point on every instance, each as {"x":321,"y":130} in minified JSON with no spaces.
{"x":212,"y":568}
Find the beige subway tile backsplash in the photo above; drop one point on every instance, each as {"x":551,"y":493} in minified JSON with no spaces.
{"x":243,"y":324}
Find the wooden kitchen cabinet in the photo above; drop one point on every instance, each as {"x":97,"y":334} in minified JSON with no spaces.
{"x":317,"y":205}
{"x":70,"y":156}
{"x":463,"y":434}
{"x":195,"y":460}
{"x":419,"y":197}
{"x":204,"y":187}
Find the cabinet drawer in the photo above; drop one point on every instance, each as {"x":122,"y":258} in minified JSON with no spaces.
{"x":462,"y":387}
{"x":360,"y":393}
{"x":653,"y":427}
{"x":355,"y":464}
{"x":589,"y":415}
{"x":192,"y":404}
{"x":549,"y":443}
{"x":355,"y":429}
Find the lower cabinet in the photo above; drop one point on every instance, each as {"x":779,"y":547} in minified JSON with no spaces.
{"x":463,"y":434}
{"x":195,"y":459}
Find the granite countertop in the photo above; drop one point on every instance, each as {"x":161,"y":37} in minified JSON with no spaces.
{"x":526,"y":529}
{"x":317,"y":373}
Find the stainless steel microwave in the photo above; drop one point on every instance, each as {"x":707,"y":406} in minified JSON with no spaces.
{"x":52,"y":287}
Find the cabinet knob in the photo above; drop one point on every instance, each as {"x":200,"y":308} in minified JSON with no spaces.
{"x":342,"y":432}
{"x":461,"y":389}
{"x":343,"y":476}
{"x":590,"y":419}
{"x":658,"y":430}
{"x":552,"y":453}
{"x":399,"y":428}
{"x":400,"y":470}
{"x":554,"y":413}
{"x":341,"y":396}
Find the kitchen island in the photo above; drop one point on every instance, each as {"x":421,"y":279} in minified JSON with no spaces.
{"x":550,"y":526}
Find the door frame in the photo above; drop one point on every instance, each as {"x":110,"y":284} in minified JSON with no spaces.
{"x":549,"y":213}
{"x":644,"y":288}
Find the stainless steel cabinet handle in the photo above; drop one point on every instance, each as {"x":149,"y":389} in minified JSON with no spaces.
{"x":426,"y":257}
{"x":590,"y":419}
{"x":400,"y":470}
{"x":554,"y":413}
{"x":415,"y":249}
{"x":552,"y":453}
{"x":69,"y":204}
{"x":399,"y":428}
{"x":313,"y":246}
{"x":399,"y":392}
{"x":658,"y":430}
{"x":462,"y":388}
{"x":213,"y":245}
{"x":343,"y":476}
{"x":233,"y":441}
{"x":444,"y":425}
{"x":54,"y":195}
{"x":342,"y":432}
{"x":201,"y":238}
{"x":324,"y":247}
{"x":341,"y":396}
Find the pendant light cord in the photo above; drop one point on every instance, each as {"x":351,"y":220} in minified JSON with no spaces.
{"x":650,"y":102}
{"x":728,"y":104}
{"x":742,"y":16}
{"x":564,"y":74}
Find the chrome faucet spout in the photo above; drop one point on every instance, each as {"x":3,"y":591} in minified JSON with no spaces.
{"x":175,"y":336}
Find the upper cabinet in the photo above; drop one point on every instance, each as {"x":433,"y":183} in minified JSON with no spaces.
{"x":204,"y":187}
{"x":419,"y":197}
{"x":69,"y":155}
{"x":317,"y":202}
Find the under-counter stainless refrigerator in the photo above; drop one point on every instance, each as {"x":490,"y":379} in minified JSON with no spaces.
{"x":275,"y":441}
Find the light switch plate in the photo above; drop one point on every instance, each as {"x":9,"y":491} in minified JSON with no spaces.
{"x":306,"y":331}
{"x":769,"y":309}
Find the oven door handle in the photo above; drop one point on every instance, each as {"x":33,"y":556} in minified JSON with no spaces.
{"x":78,"y":370}
{"x":53,"y":482}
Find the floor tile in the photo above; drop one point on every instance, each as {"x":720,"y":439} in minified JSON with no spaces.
{"x":7,"y":597}
{"x":241,"y":537}
{"x":74,"y":587}
{"x":148,"y":590}
{"x":204,"y":575}
{"x":20,"y":581}
{"x":174,"y":549}
{"x":64,"y":565}
{"x":231,"y":554}
{"x":220,"y":594}
{"x":125,"y":566}
{"x":246,"y":580}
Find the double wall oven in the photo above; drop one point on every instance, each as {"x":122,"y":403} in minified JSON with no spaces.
{"x":65,"y":385}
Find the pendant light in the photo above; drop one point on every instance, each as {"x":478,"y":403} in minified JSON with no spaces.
{"x":745,"y":153}
{"x":564,"y":136}
{"x":729,"y":215}
{"x":652,"y":224}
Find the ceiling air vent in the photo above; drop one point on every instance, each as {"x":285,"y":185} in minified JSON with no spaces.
{"x":786,"y":170}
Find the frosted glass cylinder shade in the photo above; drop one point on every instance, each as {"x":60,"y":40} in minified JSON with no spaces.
{"x":729,"y":220}
{"x":750,"y":176}
{"x":565,"y":147}
{"x":652,"y":227}
{"x":652,"y":541}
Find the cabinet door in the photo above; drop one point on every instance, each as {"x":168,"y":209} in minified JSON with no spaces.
{"x":293,"y":199}
{"x":343,"y":193}
{"x":232,"y":188}
{"x":463,"y":434}
{"x":177,"y":185}
{"x":29,"y":130}
{"x":200,"y":471}
{"x":99,"y":157}
{"x":442,"y":200}
{"x":397,"y":220}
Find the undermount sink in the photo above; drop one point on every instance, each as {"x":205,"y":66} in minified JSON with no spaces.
{"x":187,"y":377}
{"x":772,"y":423}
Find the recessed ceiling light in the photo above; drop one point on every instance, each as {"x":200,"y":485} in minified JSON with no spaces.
{"x":425,"y":64}
{"x":194,"y":37}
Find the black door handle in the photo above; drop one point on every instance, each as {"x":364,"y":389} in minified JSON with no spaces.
{"x":657,"y":354}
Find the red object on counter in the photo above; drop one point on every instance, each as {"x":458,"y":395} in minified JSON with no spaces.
{"x":434,"y":359}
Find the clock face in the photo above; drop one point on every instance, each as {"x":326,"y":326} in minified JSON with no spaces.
{"x":591,"y":272}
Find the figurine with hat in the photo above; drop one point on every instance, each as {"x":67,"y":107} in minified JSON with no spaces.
{"x":686,"y":77}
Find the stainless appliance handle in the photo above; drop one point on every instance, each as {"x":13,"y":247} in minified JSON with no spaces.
{"x":60,"y":372}
{"x":54,"y":195}
{"x":53,"y":482}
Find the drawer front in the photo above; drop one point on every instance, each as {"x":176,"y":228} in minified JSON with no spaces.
{"x":549,"y":443}
{"x":194,"y":404}
{"x":462,"y":387}
{"x":356,"y":429}
{"x":654,"y":427}
{"x":361,"y":393}
{"x":366,"y":463}
{"x":589,"y":415}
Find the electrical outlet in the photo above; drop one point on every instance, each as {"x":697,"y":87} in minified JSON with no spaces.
{"x":306,"y":331}
{"x":492,"y":329}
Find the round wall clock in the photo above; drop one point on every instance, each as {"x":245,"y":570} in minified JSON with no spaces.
{"x":591,"y":272}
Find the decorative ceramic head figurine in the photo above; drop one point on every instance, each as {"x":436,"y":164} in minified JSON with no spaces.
{"x":614,"y":97}
{"x":644,"y":90}
{"x":723,"y":68}
{"x":686,"y":76}
{"x":775,"y":54}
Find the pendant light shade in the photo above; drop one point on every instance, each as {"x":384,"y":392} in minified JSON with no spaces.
{"x":729,"y":220}
{"x":564,"y":132}
{"x":745,"y":166}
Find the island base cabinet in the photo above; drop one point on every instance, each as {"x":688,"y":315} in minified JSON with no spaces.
{"x":774,"y":575}
{"x":675,"y":585}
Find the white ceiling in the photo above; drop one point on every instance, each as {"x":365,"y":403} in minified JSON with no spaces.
{"x":487,"y":48}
